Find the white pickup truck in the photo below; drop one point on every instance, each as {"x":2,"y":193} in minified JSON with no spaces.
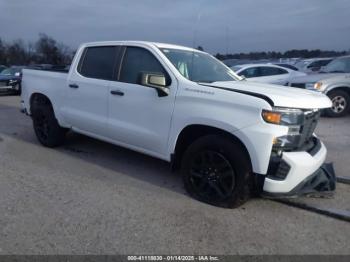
{"x":227,"y":135}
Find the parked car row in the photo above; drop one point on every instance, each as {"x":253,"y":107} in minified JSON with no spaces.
{"x":307,"y":77}
{"x":312,"y":65}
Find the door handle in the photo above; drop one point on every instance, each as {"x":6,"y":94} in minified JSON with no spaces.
{"x":73,"y":86}
{"x":117,"y":92}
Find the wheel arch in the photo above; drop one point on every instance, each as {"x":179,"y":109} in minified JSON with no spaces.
{"x":192,"y":132}
{"x":41,"y":98}
{"x":337,"y":88}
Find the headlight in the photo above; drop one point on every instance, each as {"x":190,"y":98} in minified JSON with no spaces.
{"x":11,"y":81}
{"x":284,"y":116}
{"x":309,"y":85}
{"x":318,"y":85}
{"x":292,"y":118}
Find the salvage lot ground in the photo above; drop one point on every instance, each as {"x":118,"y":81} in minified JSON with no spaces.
{"x":92,"y":197}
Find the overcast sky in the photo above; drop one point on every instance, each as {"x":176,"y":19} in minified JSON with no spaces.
{"x":217,"y":25}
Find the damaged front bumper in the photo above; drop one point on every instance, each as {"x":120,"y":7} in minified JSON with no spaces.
{"x":322,"y":183}
{"x":301,"y":173}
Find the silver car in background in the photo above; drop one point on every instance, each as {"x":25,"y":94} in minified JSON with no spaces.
{"x":338,"y":90}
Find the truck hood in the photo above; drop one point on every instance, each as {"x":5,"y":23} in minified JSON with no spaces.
{"x":313,"y":78}
{"x":280,"y":96}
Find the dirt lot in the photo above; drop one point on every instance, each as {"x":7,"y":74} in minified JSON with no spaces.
{"x":92,"y":197}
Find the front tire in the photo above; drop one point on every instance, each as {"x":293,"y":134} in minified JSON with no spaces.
{"x":340,"y":104}
{"x":46,"y":127}
{"x":216,"y":170}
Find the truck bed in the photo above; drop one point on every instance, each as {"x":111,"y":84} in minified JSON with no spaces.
{"x":50,"y":83}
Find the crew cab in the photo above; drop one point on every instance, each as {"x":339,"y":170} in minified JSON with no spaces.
{"x":229,"y":137}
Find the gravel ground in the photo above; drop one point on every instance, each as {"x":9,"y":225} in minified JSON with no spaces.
{"x":89,"y":197}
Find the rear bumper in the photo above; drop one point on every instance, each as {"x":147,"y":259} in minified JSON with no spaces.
{"x":306,"y":173}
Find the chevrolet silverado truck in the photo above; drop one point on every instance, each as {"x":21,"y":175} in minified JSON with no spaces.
{"x":228,"y":137}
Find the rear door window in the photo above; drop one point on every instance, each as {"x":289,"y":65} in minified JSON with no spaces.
{"x":99,"y":62}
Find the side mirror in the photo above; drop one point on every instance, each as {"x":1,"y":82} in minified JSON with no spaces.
{"x":156,"y":81}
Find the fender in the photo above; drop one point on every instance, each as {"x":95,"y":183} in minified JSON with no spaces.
{"x":335,"y":86}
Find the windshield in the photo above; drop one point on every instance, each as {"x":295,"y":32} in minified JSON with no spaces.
{"x":199,"y":67}
{"x":9,"y":72}
{"x":339,"y":65}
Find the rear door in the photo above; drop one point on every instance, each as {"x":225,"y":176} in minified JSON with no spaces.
{"x":138,"y":117}
{"x":88,"y":90}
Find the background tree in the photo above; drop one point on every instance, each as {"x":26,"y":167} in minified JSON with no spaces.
{"x":16,"y":53}
{"x":47,"y":51}
{"x":2,"y":53}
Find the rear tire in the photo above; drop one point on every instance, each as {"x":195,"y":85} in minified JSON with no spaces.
{"x":340,"y":104}
{"x":46,"y":127}
{"x":216,"y":170}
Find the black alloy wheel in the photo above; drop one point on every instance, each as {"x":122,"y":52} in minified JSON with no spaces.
{"x":212,"y":176}
{"x":216,"y":169}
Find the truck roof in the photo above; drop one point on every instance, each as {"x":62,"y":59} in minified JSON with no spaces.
{"x":147,"y":43}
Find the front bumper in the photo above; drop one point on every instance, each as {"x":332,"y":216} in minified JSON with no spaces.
{"x":9,"y":85}
{"x":306,"y":174}
{"x":6,"y":87}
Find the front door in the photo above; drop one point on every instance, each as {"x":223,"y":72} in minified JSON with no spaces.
{"x":138,"y":117}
